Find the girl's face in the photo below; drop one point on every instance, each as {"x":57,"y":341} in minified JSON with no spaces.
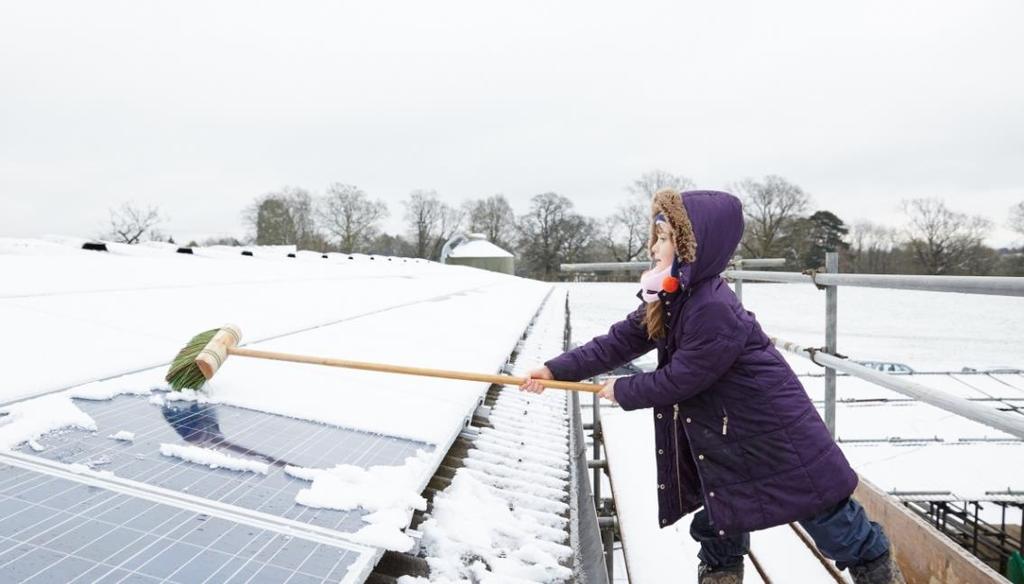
{"x":664,"y":249}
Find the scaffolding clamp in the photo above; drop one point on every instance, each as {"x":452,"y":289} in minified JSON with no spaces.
{"x":813,"y":352}
{"x":813,"y":273}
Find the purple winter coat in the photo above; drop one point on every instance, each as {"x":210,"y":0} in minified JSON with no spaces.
{"x":731,"y":419}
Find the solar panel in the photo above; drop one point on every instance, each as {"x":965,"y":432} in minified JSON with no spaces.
{"x":60,"y":530}
{"x":257,"y":436}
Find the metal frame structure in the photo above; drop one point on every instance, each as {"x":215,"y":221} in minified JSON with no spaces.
{"x":827,"y":356}
{"x":959,"y":520}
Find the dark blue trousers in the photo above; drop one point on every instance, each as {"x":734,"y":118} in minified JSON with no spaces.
{"x":843,"y":533}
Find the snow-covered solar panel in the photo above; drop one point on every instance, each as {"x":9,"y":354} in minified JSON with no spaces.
{"x":907,"y":421}
{"x":994,"y":386}
{"x":363,"y":445}
{"x":58,"y":530}
{"x":168,"y":445}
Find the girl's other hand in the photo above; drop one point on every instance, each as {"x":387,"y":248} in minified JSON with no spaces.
{"x":608,"y":392}
{"x":532,"y":385}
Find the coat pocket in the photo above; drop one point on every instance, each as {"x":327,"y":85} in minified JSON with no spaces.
{"x":770,"y":454}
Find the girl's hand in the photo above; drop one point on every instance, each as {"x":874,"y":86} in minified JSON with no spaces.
{"x":534,"y":386}
{"x":608,"y":392}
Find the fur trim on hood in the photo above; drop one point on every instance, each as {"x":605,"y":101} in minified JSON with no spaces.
{"x":668,"y":202}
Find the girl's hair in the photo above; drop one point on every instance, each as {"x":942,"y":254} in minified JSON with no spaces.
{"x":654,"y":320}
{"x":654,"y":317}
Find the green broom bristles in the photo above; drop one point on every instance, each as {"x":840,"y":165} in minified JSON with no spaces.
{"x":184,"y":373}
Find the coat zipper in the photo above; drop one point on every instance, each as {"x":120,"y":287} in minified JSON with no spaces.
{"x":675,"y":439}
{"x":725,"y":421}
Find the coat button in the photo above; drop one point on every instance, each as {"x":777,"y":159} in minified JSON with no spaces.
{"x":711,"y":494}
{"x":660,"y":451}
{"x":688,"y":420}
{"x":658,"y":416}
{"x":662,"y":486}
{"x":663,"y":521}
{"x":667,"y":302}
{"x":700,"y":457}
{"x":721,"y":532}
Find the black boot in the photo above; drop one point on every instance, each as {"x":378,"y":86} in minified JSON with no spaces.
{"x":731,"y":575}
{"x":882,"y":570}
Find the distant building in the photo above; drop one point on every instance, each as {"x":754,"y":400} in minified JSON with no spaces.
{"x":473,"y":249}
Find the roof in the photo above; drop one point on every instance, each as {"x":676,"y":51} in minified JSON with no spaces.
{"x":331,"y":460}
{"x":479,"y":248}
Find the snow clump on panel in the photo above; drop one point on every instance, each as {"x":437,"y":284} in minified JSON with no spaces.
{"x":213,"y":458}
{"x":390,"y":493}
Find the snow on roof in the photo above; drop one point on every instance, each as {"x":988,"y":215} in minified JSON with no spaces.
{"x":89,"y":324}
{"x":479,"y":248}
{"x":504,"y":514}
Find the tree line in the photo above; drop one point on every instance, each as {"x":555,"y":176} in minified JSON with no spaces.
{"x":780,"y":222}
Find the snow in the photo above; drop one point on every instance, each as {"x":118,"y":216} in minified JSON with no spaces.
{"x":121,"y":316}
{"x":479,"y":248}
{"x":29,"y":420}
{"x":213,"y":458}
{"x":501,"y":518}
{"x":390,"y":493}
{"x":930,"y":331}
{"x":123,"y":435}
{"x":118,"y":313}
{"x":970,"y":471}
{"x":469,"y":520}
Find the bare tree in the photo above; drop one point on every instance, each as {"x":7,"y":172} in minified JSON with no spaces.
{"x":652,"y":181}
{"x":943,"y":241}
{"x":494,"y":218}
{"x":872,"y":247}
{"x":770,"y":207}
{"x":452,"y":219}
{"x":129,"y":223}
{"x":551,"y":233}
{"x":624,"y":234}
{"x":1017,"y":217}
{"x":350,"y":216}
{"x":431,"y":222}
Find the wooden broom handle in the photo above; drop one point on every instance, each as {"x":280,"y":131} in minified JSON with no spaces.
{"x":466,"y":376}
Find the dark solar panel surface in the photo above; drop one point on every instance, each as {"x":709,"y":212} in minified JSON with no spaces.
{"x":57,"y":530}
{"x":238,"y":432}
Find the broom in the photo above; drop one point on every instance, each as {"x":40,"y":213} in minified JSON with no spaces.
{"x":200,"y":359}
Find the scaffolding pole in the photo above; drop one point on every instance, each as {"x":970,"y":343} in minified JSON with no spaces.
{"x":993,"y":285}
{"x":1011,"y":424}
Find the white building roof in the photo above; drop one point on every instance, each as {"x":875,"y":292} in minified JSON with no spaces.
{"x":479,"y":248}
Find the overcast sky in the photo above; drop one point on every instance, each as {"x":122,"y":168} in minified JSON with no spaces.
{"x":199,"y":107}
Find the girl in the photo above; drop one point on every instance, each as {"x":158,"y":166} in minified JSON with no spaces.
{"x":734,"y":430}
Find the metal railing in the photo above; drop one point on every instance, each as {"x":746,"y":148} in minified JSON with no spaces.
{"x":827,"y":356}
{"x":995,"y":285}
{"x":741,"y":264}
{"x":1011,"y":424}
{"x":605,"y":267}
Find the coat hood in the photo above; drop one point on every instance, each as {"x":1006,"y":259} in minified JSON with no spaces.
{"x":707,"y":227}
